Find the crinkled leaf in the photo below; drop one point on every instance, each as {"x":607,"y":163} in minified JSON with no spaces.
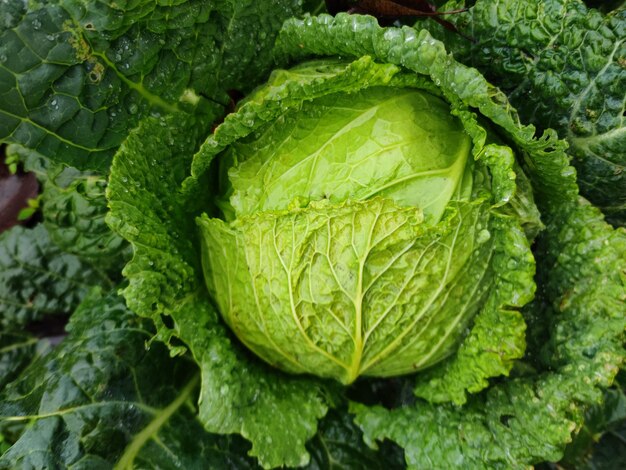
{"x":75,"y":77}
{"x":74,"y":207}
{"x":563,"y":66}
{"x":324,"y":273}
{"x":37,"y":278}
{"x":101,"y":398}
{"x":74,"y":217}
{"x":524,"y":420}
{"x":339,"y":444}
{"x":278,"y":414}
{"x":17,"y":350}
{"x":497,"y":337}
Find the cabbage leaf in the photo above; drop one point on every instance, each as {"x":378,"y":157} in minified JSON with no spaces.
{"x":101,"y":399}
{"x":563,"y":66}
{"x":38,"y":279}
{"x":278,"y":414}
{"x":76,"y":76}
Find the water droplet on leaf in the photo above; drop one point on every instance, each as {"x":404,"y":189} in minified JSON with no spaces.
{"x":483,"y":236}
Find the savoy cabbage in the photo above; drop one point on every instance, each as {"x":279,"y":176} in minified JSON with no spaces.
{"x":372,"y":261}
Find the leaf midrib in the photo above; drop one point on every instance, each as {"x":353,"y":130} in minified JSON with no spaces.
{"x":152,"y":429}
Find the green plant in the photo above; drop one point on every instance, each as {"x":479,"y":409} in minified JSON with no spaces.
{"x":152,"y":373}
{"x":365,"y":229}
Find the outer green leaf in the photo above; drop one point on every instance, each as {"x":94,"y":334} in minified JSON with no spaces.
{"x":600,"y":443}
{"x":17,"y":350}
{"x":563,"y":66}
{"x":497,"y":336}
{"x":37,"y":279}
{"x":338,"y":445}
{"x":74,"y":207}
{"x":530,"y":420}
{"x":76,"y":76}
{"x":74,"y":217}
{"x":102,"y":399}
{"x":277,"y":414}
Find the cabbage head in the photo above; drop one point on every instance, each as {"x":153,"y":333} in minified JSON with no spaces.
{"x":369,"y":214}
{"x":365,"y":224}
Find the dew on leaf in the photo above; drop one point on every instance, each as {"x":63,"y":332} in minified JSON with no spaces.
{"x":483,"y":236}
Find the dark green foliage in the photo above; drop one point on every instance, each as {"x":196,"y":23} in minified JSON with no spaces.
{"x":37,"y":278}
{"x":74,"y":216}
{"x":562,"y":66}
{"x":16,"y":351}
{"x":103,"y":397}
{"x":339,"y":445}
{"x":76,"y":76}
{"x":146,"y":80}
